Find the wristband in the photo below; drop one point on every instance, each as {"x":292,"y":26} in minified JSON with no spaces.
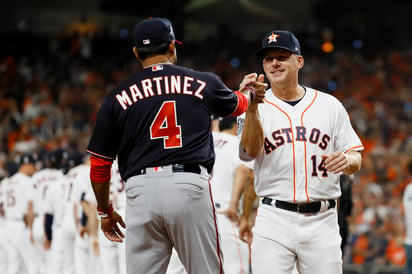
{"x":105,"y":213}
{"x":252,"y":93}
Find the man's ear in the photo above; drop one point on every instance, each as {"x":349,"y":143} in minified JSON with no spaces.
{"x":136,"y":53}
{"x":172,"y":47}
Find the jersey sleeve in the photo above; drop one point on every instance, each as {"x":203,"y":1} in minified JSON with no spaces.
{"x":221,"y":100}
{"x":347,"y":139}
{"x":104,"y":141}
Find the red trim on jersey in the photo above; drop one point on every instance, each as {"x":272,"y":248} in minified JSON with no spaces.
{"x":99,"y":155}
{"x":242,"y":104}
{"x":306,"y":163}
{"x":100,"y":169}
{"x":293,"y":147}
{"x":357,"y":148}
{"x":217,"y":232}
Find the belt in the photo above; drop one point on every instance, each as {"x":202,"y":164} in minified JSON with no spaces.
{"x":178,"y":168}
{"x":313,"y":207}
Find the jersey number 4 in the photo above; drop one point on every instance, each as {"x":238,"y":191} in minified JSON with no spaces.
{"x":164,"y":126}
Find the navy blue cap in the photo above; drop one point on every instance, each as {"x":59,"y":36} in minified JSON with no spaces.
{"x":26,"y":159}
{"x":153,"y":32}
{"x":227,"y":122}
{"x":75,"y":158}
{"x":56,"y":157}
{"x":279,"y":39}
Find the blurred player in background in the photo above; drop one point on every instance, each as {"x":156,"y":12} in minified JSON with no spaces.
{"x":19,"y":215}
{"x":229,"y":173}
{"x":50,"y":174}
{"x":56,"y":225}
{"x":345,"y":208}
{"x":3,"y":245}
{"x":86,"y":254}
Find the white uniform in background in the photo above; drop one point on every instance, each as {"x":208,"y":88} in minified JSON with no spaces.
{"x":85,"y":261}
{"x":55,"y":201}
{"x":3,"y":244}
{"x":42,"y":180}
{"x":235,"y":251}
{"x":18,"y":191}
{"x":112,"y":254}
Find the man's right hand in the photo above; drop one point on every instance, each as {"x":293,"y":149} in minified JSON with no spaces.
{"x":245,"y":230}
{"x":255,"y":82}
{"x":111,"y":229}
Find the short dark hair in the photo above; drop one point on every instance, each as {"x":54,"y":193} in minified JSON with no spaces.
{"x":153,"y":51}
{"x":227,"y":122}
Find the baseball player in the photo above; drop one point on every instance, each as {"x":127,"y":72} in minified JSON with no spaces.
{"x":158,"y":124}
{"x":3,"y":245}
{"x":18,"y":210}
{"x":301,"y":140}
{"x":42,"y":180}
{"x":86,"y":254}
{"x":228,"y":173}
{"x":59,"y":223}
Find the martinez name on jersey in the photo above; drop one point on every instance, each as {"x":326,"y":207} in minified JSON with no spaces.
{"x":170,"y":84}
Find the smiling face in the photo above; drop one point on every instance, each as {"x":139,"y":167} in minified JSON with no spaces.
{"x":281,"y":66}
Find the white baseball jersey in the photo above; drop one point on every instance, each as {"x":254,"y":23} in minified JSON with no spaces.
{"x":227,"y":159}
{"x":85,"y":261}
{"x":317,"y":125}
{"x":18,"y":192}
{"x":42,"y":180}
{"x":407,"y":205}
{"x":3,"y":244}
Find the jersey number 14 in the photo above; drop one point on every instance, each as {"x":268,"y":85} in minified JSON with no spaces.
{"x":164,"y":126}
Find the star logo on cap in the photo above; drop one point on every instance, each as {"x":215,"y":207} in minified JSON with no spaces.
{"x":272,"y":38}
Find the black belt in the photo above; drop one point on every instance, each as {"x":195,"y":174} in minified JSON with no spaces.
{"x":313,"y":207}
{"x":178,"y":168}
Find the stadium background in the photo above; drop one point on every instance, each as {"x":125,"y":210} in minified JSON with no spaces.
{"x":58,"y":59}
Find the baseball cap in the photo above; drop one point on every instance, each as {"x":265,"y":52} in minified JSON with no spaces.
{"x":152,"y":32}
{"x":26,"y":159}
{"x":279,"y":39}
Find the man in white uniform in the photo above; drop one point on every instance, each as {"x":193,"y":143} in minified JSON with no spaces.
{"x":407,"y":206}
{"x":228,"y":173}
{"x":86,"y":256}
{"x":301,"y":140}
{"x":3,"y":244}
{"x":18,"y":210}
{"x":42,"y":180}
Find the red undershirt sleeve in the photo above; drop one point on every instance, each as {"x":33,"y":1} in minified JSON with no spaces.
{"x":242,"y":105}
{"x":100,"y":169}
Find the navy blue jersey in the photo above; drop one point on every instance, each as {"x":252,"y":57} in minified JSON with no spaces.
{"x":161,"y":116}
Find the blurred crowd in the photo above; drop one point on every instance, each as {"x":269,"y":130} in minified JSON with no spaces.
{"x":51,"y":87}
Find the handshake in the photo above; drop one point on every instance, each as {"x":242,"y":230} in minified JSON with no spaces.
{"x":253,"y":88}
